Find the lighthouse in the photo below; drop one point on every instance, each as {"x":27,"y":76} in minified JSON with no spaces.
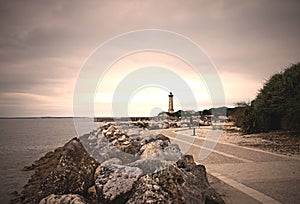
{"x":171,"y":109}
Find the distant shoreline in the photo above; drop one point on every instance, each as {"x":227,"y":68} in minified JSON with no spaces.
{"x":96,"y":119}
{"x":47,"y":117}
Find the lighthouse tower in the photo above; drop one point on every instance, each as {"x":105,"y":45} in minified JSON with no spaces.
{"x":171,"y":109}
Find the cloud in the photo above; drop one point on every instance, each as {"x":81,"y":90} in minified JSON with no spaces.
{"x":26,"y":104}
{"x":43,"y":44}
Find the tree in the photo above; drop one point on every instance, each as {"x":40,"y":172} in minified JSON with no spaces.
{"x":236,"y":114}
{"x":276,"y":105}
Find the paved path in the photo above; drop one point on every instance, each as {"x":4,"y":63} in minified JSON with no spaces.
{"x":241,"y":174}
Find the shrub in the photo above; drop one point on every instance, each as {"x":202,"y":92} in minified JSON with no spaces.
{"x":277,"y":105}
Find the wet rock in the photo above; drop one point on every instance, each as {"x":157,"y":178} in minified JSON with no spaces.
{"x":29,"y":168}
{"x":67,"y":170}
{"x":15,"y":197}
{"x":65,"y":199}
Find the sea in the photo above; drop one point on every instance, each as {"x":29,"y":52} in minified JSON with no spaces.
{"x":23,"y":141}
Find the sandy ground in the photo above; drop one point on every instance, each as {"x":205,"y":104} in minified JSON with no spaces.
{"x":281,"y":142}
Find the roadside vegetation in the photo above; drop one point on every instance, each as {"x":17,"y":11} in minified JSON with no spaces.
{"x":276,"y":106}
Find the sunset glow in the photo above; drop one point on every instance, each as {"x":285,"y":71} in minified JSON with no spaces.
{"x":44,"y":46}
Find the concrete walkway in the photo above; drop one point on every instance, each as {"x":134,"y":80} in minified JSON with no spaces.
{"x":242,"y":174}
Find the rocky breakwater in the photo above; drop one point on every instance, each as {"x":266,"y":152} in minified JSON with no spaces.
{"x":110,"y":166}
{"x":66,"y":171}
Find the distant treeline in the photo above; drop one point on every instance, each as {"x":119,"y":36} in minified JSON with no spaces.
{"x":276,"y":107}
{"x":220,"y":111}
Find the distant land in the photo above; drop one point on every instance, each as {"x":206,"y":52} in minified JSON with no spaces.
{"x":44,"y":117}
{"x":179,"y":112}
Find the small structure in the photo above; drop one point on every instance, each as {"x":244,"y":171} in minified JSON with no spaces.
{"x":171,"y":109}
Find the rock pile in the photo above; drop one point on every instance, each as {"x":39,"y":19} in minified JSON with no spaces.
{"x":67,"y":170}
{"x":121,"y":169}
{"x":69,"y":198}
{"x":162,"y":124}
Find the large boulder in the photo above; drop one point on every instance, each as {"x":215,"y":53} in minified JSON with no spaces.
{"x":65,"y":199}
{"x":153,"y":149}
{"x":114,"y":183}
{"x":148,"y":191}
{"x":111,"y":142}
{"x":67,"y":170}
{"x":181,"y":182}
{"x":151,"y":138}
{"x":185,"y":183}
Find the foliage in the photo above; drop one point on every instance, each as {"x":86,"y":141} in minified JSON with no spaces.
{"x":236,"y":114}
{"x":276,"y":105}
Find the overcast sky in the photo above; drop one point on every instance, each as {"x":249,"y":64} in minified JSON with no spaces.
{"x":44,"y":44}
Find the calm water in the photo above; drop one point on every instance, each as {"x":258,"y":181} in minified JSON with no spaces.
{"x":22,"y":141}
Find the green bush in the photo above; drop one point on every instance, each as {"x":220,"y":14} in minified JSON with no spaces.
{"x":277,"y":105}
